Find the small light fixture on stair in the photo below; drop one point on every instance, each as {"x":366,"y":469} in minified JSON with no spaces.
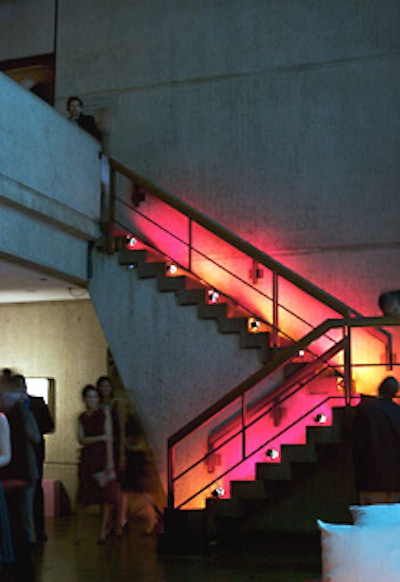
{"x":213,"y":296}
{"x":320,"y":418}
{"x":253,"y":324}
{"x":130,"y":242}
{"x":272,"y":454}
{"x":218,"y":492}
{"x":171,"y":269}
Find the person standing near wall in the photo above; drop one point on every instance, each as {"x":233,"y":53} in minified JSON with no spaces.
{"x":376,"y":447}
{"x":97,"y":479}
{"x":37,"y":406}
{"x":6,"y":549}
{"x":76,"y":115}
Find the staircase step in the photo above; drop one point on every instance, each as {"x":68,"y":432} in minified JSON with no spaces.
{"x":233,"y":507}
{"x":128,"y":257}
{"x":323,"y":434}
{"x":273,"y":472}
{"x":165,"y":283}
{"x":248,"y":489}
{"x":254,"y":340}
{"x":150,"y":270}
{"x":212,"y":311}
{"x":233,"y":325}
{"x":306,"y":453}
{"x":191,"y":296}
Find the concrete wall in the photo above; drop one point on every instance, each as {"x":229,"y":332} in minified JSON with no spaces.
{"x":61,"y":340}
{"x":280,"y":119}
{"x":32,"y":23}
{"x":50,"y":185}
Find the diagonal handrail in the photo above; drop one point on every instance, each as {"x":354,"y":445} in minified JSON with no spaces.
{"x":279,"y":360}
{"x":350,"y":317}
{"x":229,"y":237}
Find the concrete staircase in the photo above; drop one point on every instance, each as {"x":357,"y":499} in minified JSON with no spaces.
{"x":189,"y":291}
{"x":278,"y":492}
{"x":311,"y":481}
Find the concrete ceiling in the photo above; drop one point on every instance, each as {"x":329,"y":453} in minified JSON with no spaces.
{"x":21,"y":285}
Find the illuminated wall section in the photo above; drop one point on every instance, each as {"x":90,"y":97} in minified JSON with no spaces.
{"x":233,"y":274}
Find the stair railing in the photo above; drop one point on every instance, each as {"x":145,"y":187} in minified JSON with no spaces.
{"x":243,"y":422}
{"x":123,"y":192}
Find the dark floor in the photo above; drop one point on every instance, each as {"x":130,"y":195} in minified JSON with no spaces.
{"x":135,"y":558}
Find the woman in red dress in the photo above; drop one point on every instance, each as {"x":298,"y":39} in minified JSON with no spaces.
{"x":97,"y":479}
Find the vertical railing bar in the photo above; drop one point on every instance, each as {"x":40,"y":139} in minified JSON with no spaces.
{"x":171,"y":467}
{"x":347,"y":366}
{"x":275,"y":310}
{"x":389,"y":353}
{"x":243,"y":419}
{"x":190,"y":247}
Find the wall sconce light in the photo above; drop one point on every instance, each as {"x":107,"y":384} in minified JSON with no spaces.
{"x":218,"y":492}
{"x":320,"y":418}
{"x":131,"y":242}
{"x":253,"y":325}
{"x":272,"y":454}
{"x":213,"y":296}
{"x":171,"y":269}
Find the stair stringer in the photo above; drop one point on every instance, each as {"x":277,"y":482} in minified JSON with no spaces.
{"x":171,"y":363}
{"x":290,"y":496}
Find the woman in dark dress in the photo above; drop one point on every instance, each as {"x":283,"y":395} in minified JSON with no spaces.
{"x":116,"y":409}
{"x":97,"y":479}
{"x":6,"y":550}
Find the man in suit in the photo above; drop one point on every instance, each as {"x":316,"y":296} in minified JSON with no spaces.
{"x":76,"y":115}
{"x":376,"y":447}
{"x":45,"y":424}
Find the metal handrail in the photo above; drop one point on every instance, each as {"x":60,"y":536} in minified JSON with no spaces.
{"x":253,"y":453}
{"x":350,"y":317}
{"x":280,"y":359}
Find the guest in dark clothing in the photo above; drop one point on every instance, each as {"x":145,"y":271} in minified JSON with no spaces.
{"x":20,"y":475}
{"x":6,"y":549}
{"x":45,"y":424}
{"x":389,"y":302}
{"x":86,"y":122}
{"x":377,"y":447}
{"x":97,"y":479}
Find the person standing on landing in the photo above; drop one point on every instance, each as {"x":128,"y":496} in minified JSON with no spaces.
{"x":376,"y":447}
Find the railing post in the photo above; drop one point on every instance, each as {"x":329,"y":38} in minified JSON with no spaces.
{"x":170,"y":461}
{"x":190,"y":240}
{"x":243,"y":419}
{"x":347,"y":366}
{"x":389,"y":353}
{"x":275,"y":310}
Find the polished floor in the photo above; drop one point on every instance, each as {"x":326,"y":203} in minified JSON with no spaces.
{"x":136,"y":558}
